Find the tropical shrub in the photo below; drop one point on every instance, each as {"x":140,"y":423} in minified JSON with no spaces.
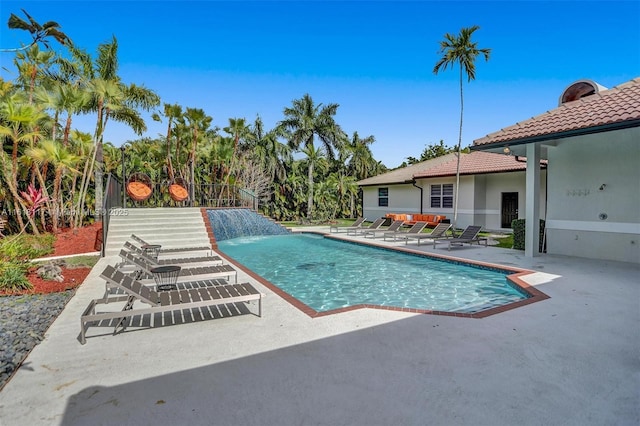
{"x":13,"y":276}
{"x":26,"y":246}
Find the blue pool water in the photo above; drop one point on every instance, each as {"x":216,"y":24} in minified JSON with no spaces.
{"x":327,"y":274}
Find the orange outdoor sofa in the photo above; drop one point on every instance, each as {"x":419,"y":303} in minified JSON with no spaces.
{"x":410,"y":219}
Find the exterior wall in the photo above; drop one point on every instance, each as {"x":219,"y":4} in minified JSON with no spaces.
{"x":426,"y":195}
{"x":582,"y":219}
{"x":495,"y":185}
{"x":480,"y":198}
{"x":466,"y":202}
{"x":403,"y":198}
{"x":481,"y":210}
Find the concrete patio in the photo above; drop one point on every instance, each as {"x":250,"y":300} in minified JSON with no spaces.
{"x":573,"y":359}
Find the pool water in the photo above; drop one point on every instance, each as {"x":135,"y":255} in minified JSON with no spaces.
{"x":327,"y":274}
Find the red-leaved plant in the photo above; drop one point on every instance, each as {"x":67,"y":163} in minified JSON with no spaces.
{"x":34,"y":199}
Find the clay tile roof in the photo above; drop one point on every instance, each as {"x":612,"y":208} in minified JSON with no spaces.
{"x":404,"y":174}
{"x":477,"y":162}
{"x":619,"y":106}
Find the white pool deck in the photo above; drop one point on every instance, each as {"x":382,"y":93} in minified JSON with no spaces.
{"x":573,"y":359}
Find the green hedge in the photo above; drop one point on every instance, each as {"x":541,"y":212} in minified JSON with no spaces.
{"x":518,"y":226}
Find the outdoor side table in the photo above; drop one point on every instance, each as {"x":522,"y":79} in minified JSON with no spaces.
{"x":166,"y":277}
{"x":151,"y":250}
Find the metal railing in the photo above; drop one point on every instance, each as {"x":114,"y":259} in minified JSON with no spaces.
{"x":204,"y":195}
{"x":113,"y":198}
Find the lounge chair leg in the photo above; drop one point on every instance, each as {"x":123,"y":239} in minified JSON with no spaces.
{"x":127,"y":307}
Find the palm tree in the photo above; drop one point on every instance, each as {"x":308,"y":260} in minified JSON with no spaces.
{"x":39,"y":33}
{"x":199,"y":123}
{"x":172,"y":113}
{"x":19,"y":125}
{"x":303,"y":122}
{"x":81,"y":145}
{"x":63,"y":161}
{"x":267,"y":150}
{"x":362,"y":161}
{"x":31,"y":65}
{"x":462,"y":51}
{"x":238,"y":130}
{"x":110,"y":99}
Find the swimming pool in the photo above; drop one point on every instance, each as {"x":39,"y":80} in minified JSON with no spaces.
{"x":327,"y":274}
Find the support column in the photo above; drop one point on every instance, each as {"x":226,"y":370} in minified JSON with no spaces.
{"x":532,"y":213}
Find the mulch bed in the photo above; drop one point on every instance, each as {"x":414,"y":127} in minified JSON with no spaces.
{"x":72,"y":279}
{"x":67,"y":242}
{"x":81,"y":240}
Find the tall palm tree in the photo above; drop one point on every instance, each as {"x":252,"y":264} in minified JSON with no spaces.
{"x":238,"y":129}
{"x":110,"y":99}
{"x":198,"y":123}
{"x":267,"y":150}
{"x":172,"y":113}
{"x":462,"y":51}
{"x":39,"y":32}
{"x":362,"y":161}
{"x":303,"y":122}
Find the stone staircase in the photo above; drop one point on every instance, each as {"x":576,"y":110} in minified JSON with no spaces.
{"x":171,"y":227}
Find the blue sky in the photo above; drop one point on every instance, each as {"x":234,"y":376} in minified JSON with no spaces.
{"x":374,"y":59}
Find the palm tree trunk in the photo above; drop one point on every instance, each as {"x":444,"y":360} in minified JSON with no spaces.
{"x":67,"y":129}
{"x":455,"y":201}
{"x":48,"y":202}
{"x":72,"y":193}
{"x":86,"y":178}
{"x":310,"y":199}
{"x":56,"y":196}
{"x":98,"y":181}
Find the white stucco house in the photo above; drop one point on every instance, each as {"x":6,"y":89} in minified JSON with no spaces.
{"x":592,"y":144}
{"x":491,"y":193}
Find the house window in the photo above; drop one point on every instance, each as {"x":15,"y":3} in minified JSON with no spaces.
{"x":383,"y":197}
{"x":442,"y":196}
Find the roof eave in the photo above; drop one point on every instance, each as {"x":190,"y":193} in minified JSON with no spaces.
{"x":384,"y":183}
{"x":486,"y":172}
{"x":559,"y":135}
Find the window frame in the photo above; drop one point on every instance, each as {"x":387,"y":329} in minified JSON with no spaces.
{"x":383,"y":197}
{"x":441,"y":195}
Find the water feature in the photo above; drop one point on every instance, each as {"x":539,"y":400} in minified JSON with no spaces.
{"x":234,"y":223}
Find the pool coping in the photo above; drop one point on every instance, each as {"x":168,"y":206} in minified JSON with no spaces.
{"x":515,"y":278}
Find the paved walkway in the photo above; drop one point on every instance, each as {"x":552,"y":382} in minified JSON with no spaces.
{"x":573,"y":359}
